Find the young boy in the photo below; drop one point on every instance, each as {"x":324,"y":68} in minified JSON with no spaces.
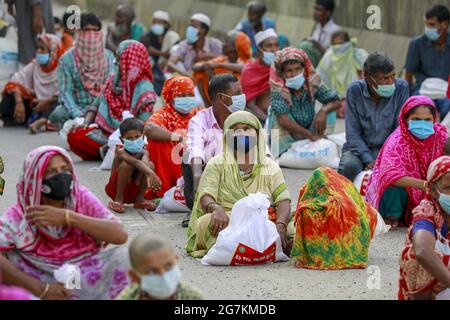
{"x":132,"y":171}
{"x":155,"y":272}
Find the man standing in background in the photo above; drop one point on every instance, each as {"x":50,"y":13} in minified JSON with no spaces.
{"x":325,"y":25}
{"x":32,"y":17}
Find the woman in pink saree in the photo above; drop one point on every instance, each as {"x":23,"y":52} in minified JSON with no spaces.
{"x":398,"y":182}
{"x":57,"y":221}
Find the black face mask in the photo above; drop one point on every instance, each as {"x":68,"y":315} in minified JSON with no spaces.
{"x":57,"y":187}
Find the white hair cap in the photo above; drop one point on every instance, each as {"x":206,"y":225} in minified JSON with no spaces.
{"x":264,"y":35}
{"x":161,"y":15}
{"x":203,"y":18}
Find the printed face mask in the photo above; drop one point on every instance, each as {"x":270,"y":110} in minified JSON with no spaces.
{"x":57,"y":187}
{"x":421,"y":129}
{"x":134,"y":146}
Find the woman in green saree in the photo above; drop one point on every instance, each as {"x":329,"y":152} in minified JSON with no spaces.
{"x":242,"y":169}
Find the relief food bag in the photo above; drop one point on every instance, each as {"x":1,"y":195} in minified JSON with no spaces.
{"x":362,"y":181}
{"x":250,"y":238}
{"x":310,"y":155}
{"x":173,"y":201}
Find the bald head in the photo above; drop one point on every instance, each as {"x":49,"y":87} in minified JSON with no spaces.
{"x":144,"y":245}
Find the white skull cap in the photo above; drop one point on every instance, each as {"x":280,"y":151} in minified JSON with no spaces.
{"x":264,"y":35}
{"x":203,"y":18}
{"x":161,"y":15}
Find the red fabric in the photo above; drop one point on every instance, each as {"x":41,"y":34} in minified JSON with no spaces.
{"x":255,"y":79}
{"x":134,"y":68}
{"x":83,"y":146}
{"x":403,"y":155}
{"x":448,"y":91}
{"x":130,"y":192}
{"x":165,"y":168}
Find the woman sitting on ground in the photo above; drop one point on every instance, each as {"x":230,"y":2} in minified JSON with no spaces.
{"x":130,"y":89}
{"x":425,"y":261}
{"x":237,"y":51}
{"x":32,"y":93}
{"x":57,"y":221}
{"x":398,"y":182}
{"x":242,"y":169}
{"x":295,"y":88}
{"x":174,"y":116}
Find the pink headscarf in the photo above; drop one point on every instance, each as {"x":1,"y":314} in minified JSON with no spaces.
{"x":403,"y":155}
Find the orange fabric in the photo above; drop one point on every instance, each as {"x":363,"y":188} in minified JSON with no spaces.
{"x":13,"y":87}
{"x":130,"y":192}
{"x":243,"y":47}
{"x":67,"y":42}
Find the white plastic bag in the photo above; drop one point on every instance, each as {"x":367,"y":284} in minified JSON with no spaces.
{"x":434,"y":88}
{"x":173,"y":201}
{"x":9,"y":56}
{"x":340,"y":139}
{"x":306,"y":154}
{"x":250,"y":239}
{"x":66,"y":128}
{"x":362,"y":181}
{"x":68,"y":275}
{"x":443,"y":295}
{"x":382,"y":227}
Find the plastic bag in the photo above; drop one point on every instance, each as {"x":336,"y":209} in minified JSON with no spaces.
{"x":362,"y":181}
{"x":434,"y":88}
{"x":69,"y":275}
{"x":9,"y":55}
{"x":66,"y":128}
{"x":382,"y":227}
{"x":173,"y":201}
{"x":443,"y":295}
{"x":340,"y":139}
{"x":250,"y":239}
{"x":306,"y":154}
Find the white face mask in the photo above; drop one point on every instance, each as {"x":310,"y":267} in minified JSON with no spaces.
{"x":442,"y":244}
{"x":239,"y":103}
{"x":162,"y":286}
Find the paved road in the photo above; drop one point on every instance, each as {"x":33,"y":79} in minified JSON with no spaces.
{"x":280,"y":281}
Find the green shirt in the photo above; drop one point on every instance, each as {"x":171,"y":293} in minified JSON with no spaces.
{"x":185,"y":292}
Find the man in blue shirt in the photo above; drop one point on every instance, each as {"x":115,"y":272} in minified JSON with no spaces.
{"x":373,"y":107}
{"x":256,"y":22}
{"x":429,"y":54}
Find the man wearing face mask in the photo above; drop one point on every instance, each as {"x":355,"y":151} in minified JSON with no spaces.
{"x":155,"y":272}
{"x":124,"y":28}
{"x":205,"y":131}
{"x":371,"y":115}
{"x":82,"y":72}
{"x":429,"y":54}
{"x":256,"y":22}
{"x":197,"y":46}
{"x":256,"y":73}
{"x":427,"y":250}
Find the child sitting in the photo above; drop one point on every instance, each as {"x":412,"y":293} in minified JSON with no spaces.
{"x":155,"y":272}
{"x":132,"y":171}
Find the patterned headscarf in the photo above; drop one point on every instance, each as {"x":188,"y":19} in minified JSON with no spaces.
{"x":438,"y":168}
{"x":120,"y":89}
{"x":91,"y":61}
{"x":54,"y":46}
{"x":30,"y":183}
{"x":168,"y":117}
{"x":277,"y":82}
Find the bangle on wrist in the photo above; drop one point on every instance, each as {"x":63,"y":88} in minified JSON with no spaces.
{"x":47,"y":287}
{"x":67,"y":216}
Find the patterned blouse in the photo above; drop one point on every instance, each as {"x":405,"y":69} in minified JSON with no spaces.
{"x":185,"y":292}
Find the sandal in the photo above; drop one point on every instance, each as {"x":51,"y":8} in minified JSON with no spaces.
{"x":186,"y":221}
{"x":116,"y":207}
{"x":145,"y":205}
{"x":393,"y":222}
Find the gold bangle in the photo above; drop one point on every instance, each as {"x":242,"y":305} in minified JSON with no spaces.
{"x":47,"y":287}
{"x":425,"y":185}
{"x":67,"y":214}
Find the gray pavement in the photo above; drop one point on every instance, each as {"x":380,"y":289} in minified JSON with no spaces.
{"x":279,"y":281}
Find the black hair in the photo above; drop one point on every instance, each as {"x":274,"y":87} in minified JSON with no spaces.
{"x":58,"y":21}
{"x":65,"y":18}
{"x":258,"y":6}
{"x":329,"y":5}
{"x":378,"y":61}
{"x":438,"y":11}
{"x":220,"y":83}
{"x":432,"y":110}
{"x":341,"y":34}
{"x":90,"y":18}
{"x":205,"y":26}
{"x":131,"y":124}
{"x":127,"y":10}
{"x":288,"y":62}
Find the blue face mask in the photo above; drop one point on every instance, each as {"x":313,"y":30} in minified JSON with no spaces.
{"x":162,"y":286}
{"x":239,"y":103}
{"x":432,"y":33}
{"x":341,"y":48}
{"x":444,"y":201}
{"x":385,"y":91}
{"x":296,"y":82}
{"x":59,"y":35}
{"x":134,"y":146}
{"x":43,"y":58}
{"x":192,"y":34}
{"x":421,"y":129}
{"x":157,"y":29}
{"x":268,"y":58}
{"x":184,"y":105}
